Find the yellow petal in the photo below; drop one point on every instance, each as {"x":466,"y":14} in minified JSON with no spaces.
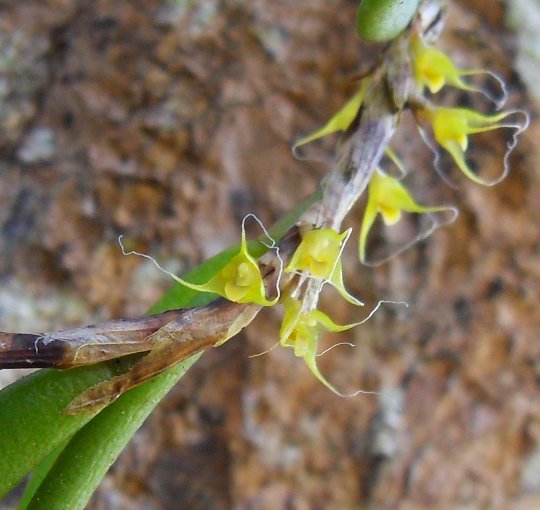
{"x":300,"y":331}
{"x":451,"y":126}
{"x":369,"y":218}
{"x":311,"y":352}
{"x":390,"y":215}
{"x":239,"y":281}
{"x":459,"y":158}
{"x":434,"y":68}
{"x":431,"y":66}
{"x":396,"y":160}
{"x":454,"y":124}
{"x":336,"y":280}
{"x":311,"y":362}
{"x":234,"y":292}
{"x":340,"y":121}
{"x":291,"y":316}
{"x":389,"y":198}
{"x":325,"y":321}
{"x":317,"y":253}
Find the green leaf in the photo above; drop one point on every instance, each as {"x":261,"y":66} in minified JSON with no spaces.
{"x":84,"y":462}
{"x":31,"y":419}
{"x":383,"y":20}
{"x":39,"y":474}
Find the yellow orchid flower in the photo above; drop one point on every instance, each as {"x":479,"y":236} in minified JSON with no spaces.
{"x":301,"y":332}
{"x":339,"y":122}
{"x":389,"y":198}
{"x":434,"y":69}
{"x":452,"y":126}
{"x":319,"y":254}
{"x":239,"y":281}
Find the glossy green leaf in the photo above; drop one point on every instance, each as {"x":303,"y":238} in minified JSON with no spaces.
{"x":86,"y":459}
{"x":383,"y":20}
{"x":39,"y":474}
{"x":31,"y":423}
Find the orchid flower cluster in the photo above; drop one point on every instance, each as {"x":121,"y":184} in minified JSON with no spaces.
{"x":442,"y":129}
{"x":318,"y":255}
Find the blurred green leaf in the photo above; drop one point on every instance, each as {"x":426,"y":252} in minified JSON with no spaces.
{"x":31,"y":419}
{"x":383,"y":20}
{"x":87,"y":457}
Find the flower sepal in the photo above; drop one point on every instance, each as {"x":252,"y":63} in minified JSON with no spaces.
{"x":451,"y":128}
{"x":433,"y":69}
{"x":240,"y":280}
{"x":340,"y":121}
{"x":319,"y":255}
{"x":389,"y":198}
{"x":300,"y":331}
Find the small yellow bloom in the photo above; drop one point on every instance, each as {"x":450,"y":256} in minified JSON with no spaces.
{"x":319,"y":254}
{"x":341,"y":121}
{"x":434,"y":69}
{"x":452,"y":126}
{"x":301,"y":332}
{"x":239,"y":281}
{"x":389,"y":198}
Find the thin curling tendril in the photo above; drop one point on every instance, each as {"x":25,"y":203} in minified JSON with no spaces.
{"x":240,"y":280}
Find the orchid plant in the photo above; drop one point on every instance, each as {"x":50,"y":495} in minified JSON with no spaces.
{"x":317,"y":259}
{"x":305,"y":252}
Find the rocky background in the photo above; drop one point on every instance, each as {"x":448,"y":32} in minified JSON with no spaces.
{"x":168,"y":121}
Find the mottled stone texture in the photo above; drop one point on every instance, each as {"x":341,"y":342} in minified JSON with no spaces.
{"x":168,"y":122}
